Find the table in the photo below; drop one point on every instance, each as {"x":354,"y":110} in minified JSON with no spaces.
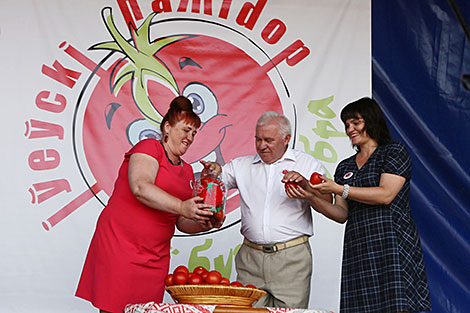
{"x":152,"y":307}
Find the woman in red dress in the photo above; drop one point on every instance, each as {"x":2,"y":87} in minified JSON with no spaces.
{"x":129,"y":254}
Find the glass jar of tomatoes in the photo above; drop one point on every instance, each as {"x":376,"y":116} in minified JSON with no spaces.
{"x":212,"y":191}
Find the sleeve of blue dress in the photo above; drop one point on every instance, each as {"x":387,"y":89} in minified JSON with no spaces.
{"x":397,"y":160}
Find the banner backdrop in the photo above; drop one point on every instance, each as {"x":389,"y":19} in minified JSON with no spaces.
{"x":73,"y":101}
{"x":420,"y":53}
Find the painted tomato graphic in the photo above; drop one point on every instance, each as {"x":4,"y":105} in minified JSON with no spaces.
{"x":228,"y":88}
{"x":211,"y":190}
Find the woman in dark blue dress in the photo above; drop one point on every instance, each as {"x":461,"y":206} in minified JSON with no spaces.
{"x":383,"y":268}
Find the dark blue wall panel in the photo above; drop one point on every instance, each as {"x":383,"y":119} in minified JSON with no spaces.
{"x":419,"y":53}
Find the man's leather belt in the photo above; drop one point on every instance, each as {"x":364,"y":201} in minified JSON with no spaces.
{"x":270,"y":248}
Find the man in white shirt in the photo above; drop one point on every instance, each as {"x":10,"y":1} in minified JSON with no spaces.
{"x":275,"y":255}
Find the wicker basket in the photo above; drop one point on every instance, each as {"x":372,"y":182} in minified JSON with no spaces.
{"x":215,"y":294}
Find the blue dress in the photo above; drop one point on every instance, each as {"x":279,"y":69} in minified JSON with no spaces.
{"x":383,"y":268}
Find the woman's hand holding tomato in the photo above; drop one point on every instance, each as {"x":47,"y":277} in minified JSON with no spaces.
{"x":305,"y":189}
{"x":327,"y":186}
{"x":316,"y":178}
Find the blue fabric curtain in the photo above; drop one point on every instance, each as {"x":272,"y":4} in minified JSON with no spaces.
{"x":419,"y":53}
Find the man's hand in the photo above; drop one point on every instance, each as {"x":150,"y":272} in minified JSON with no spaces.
{"x":211,"y":169}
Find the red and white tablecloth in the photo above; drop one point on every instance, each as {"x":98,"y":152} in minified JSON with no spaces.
{"x":152,"y":307}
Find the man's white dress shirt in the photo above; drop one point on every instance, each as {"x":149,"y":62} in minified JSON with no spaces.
{"x":268,"y":215}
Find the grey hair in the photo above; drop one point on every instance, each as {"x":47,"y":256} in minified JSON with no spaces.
{"x":271,"y":116}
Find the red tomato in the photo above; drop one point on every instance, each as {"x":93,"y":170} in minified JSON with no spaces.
{"x":204,"y":275}
{"x":199,"y":270}
{"x":169,"y":280}
{"x":183,"y":269}
{"x":213,"y":278}
{"x":291,"y":183}
{"x":251,"y":286}
{"x":216,"y":272}
{"x":195,"y":279}
{"x":224,"y":281}
{"x":236,"y":284}
{"x":315,"y":179}
{"x":180,"y":278}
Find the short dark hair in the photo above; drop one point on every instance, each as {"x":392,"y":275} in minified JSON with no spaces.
{"x":375,"y":122}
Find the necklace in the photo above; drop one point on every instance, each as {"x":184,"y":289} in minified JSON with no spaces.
{"x":169,"y":160}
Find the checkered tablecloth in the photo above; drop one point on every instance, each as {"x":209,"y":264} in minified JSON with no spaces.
{"x":152,"y":307}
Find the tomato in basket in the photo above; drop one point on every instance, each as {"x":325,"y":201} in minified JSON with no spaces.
{"x":199,"y":270}
{"x":183,"y":269}
{"x":169,"y":280}
{"x":236,"y":284}
{"x":180,"y":278}
{"x":213,"y":278}
{"x":195,"y":279}
{"x":225,"y":281}
{"x":204,"y":276}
